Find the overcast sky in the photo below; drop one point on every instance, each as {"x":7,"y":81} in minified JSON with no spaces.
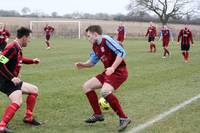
{"x":68,"y":6}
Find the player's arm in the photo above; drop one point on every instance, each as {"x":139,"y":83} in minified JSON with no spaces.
{"x":191,"y":38}
{"x":179,"y":36}
{"x":161,"y":36}
{"x":89,"y":63}
{"x":4,"y":59}
{"x":125,"y":33}
{"x":118,"y":50}
{"x":147,"y":32}
{"x":26,"y":60}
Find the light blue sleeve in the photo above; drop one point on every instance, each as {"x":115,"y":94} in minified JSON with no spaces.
{"x":115,"y":46}
{"x":94,"y":58}
{"x":161,"y":34}
{"x":171,"y":34}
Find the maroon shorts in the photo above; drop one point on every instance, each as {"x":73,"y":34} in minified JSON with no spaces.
{"x":116,"y":79}
{"x":120,"y":38}
{"x":47,"y":37}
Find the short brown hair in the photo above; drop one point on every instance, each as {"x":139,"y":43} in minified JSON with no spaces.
{"x":23,"y":31}
{"x":94,"y":28}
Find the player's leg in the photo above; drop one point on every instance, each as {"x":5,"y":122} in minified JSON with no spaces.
{"x":187,"y":53}
{"x":48,"y":41}
{"x":153,"y":44}
{"x":16,"y":101}
{"x":150,"y":44}
{"x":32,"y":92}
{"x":107,"y":93}
{"x":89,"y":90}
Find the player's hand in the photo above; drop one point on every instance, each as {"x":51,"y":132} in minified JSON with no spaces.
{"x":79,"y":65}
{"x":110,"y":70}
{"x":16,"y":80}
{"x":36,"y":61}
{"x":177,"y":43}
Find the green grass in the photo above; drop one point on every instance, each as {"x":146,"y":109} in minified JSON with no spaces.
{"x":154,"y":85}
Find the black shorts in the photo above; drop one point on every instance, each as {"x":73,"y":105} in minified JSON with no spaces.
{"x":48,"y":37}
{"x":150,"y":39}
{"x":185,"y":47}
{"x":8,"y":87}
{"x":2,"y":45}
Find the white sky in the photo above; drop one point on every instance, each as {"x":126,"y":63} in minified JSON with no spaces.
{"x":68,"y":6}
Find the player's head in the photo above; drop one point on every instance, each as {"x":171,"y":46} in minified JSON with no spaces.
{"x":164,"y":27}
{"x":23,"y":34}
{"x":93,"y":32}
{"x":186,"y":26}
{"x":151,"y":24}
{"x":121,"y":23}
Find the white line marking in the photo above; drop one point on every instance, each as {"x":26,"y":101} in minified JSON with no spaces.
{"x":163,"y":115}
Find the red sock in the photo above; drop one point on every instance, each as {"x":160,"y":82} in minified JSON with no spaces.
{"x":154,"y":46}
{"x":150,"y":47}
{"x":186,"y":55}
{"x":8,"y":114}
{"x":115,"y":105}
{"x":48,"y":44}
{"x":93,"y":100}
{"x":30,"y":104}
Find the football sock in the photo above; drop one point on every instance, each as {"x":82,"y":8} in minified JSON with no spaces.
{"x":186,"y":55}
{"x":93,"y":100}
{"x":150,"y":47}
{"x":154,"y":47}
{"x":164,"y":52}
{"x":115,"y":105}
{"x":8,"y":114}
{"x":30,"y":104}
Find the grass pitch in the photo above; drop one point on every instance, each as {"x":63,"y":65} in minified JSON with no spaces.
{"x":154,"y":85}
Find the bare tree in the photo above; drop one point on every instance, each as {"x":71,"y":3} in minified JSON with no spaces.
{"x":25,"y":10}
{"x":164,"y":9}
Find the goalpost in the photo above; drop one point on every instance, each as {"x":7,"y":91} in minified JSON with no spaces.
{"x":1,"y":26}
{"x":63,"y":29}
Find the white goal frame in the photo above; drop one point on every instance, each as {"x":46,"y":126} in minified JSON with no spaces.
{"x":59,"y":21}
{"x":1,"y":26}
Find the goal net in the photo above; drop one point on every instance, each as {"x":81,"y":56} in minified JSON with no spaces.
{"x":1,"y":26}
{"x":63,"y":29}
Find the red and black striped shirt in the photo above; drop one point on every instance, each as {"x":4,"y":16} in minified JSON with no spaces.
{"x":13,"y":52}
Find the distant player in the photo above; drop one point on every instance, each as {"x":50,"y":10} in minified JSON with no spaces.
{"x":165,"y":35}
{"x":186,"y":37}
{"x":111,"y":54}
{"x":48,"y":31}
{"x":11,"y":85}
{"x":151,"y":33}
{"x":121,"y":33}
{"x":4,"y":37}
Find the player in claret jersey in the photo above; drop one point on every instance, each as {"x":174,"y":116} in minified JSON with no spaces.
{"x":4,"y":36}
{"x":166,"y":35}
{"x":111,"y":54}
{"x":11,"y":60}
{"x":151,"y":33}
{"x":48,"y":31}
{"x":186,"y":37}
{"x":121,"y":33}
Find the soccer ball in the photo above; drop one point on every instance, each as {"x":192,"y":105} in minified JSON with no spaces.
{"x":104,"y":105}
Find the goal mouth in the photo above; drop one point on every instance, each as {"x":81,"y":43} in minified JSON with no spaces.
{"x":63,"y":29}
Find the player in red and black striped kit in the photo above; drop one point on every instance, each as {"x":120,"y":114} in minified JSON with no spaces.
{"x":11,"y":60}
{"x":151,"y":32}
{"x":4,"y":36}
{"x":186,"y":37}
{"x":48,"y":31}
